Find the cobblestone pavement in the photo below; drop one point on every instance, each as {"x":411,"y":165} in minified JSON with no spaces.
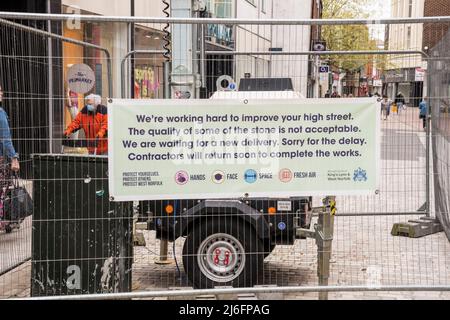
{"x":364,"y":252}
{"x":15,"y":247}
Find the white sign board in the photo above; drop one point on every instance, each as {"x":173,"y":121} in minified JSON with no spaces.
{"x":420,"y":74}
{"x":200,"y":149}
{"x":81,"y":78}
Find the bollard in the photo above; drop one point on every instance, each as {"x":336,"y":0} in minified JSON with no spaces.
{"x":163,"y":249}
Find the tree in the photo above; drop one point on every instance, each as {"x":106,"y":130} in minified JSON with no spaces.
{"x":347,"y":37}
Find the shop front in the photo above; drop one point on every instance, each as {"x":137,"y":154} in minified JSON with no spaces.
{"x":148,"y":80}
{"x":408,"y":81}
{"x":112,"y":37}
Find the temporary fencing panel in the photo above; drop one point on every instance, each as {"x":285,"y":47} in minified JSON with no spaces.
{"x":242,"y":244}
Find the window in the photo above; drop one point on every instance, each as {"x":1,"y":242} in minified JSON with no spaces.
{"x":220,"y":34}
{"x":410,"y":8}
{"x":408,"y":38}
{"x":220,"y":8}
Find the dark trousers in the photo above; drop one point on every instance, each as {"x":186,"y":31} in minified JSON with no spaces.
{"x":424,"y":121}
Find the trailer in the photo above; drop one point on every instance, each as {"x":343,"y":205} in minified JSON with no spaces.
{"x":228,"y":239}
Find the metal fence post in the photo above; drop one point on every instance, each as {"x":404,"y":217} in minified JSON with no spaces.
{"x":163,"y":252}
{"x":203,"y":61}
{"x":167,"y":90}
{"x":164,"y":243}
{"x":428,"y":140}
{"x":324,"y":238}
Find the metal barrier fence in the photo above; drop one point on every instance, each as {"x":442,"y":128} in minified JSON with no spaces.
{"x":80,"y":243}
{"x":440,"y":108}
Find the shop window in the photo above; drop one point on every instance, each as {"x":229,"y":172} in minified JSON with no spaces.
{"x":220,"y":34}
{"x":408,"y":38}
{"x":98,"y":78}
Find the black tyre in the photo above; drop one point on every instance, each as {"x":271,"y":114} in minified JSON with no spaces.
{"x":223,"y":252}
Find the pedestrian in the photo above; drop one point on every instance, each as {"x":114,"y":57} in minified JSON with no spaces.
{"x":423,"y":112}
{"x":385,"y":107}
{"x":335,"y":94}
{"x":400,"y":102}
{"x":93,"y":119}
{"x":9,"y":159}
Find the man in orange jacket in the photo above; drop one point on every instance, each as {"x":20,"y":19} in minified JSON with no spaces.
{"x":93,"y":118}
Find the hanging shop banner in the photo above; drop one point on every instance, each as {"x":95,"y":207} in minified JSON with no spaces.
{"x":198,"y":149}
{"x":80,"y":78}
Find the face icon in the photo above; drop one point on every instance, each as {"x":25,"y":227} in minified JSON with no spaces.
{"x":218,"y":177}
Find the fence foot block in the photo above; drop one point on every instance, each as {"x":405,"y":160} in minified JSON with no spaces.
{"x":139,"y":240}
{"x":417,"y":228}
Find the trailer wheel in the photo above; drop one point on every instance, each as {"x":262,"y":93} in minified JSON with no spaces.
{"x":223,"y":252}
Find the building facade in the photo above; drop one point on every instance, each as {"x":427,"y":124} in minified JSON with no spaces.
{"x":25,"y":70}
{"x":143,"y":76}
{"x":406,"y":72}
{"x":434,"y":33}
{"x":260,"y":38}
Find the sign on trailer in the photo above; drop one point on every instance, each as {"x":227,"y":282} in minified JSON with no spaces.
{"x":198,"y":149}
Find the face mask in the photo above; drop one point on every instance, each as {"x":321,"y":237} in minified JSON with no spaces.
{"x":90,"y":107}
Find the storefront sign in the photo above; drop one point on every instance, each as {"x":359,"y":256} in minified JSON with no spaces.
{"x":145,"y":83}
{"x":324,"y":77}
{"x":377,"y":83}
{"x":324,"y":69}
{"x":172,"y":149}
{"x":80,"y":78}
{"x":404,"y":75}
{"x":420,"y":74}
{"x":319,"y":45}
{"x":395,"y":76}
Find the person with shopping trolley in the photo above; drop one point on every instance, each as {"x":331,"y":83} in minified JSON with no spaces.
{"x":9,"y":164}
{"x":93,"y":119}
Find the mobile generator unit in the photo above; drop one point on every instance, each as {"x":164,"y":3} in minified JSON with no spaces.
{"x":228,"y":239}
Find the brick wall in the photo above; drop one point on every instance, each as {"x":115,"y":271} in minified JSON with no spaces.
{"x":434,"y":32}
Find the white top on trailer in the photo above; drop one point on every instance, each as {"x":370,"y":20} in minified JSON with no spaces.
{"x":257,"y":95}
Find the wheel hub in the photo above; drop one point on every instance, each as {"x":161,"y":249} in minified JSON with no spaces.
{"x":221,"y":257}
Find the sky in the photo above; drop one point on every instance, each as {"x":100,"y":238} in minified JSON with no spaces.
{"x":379,"y":9}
